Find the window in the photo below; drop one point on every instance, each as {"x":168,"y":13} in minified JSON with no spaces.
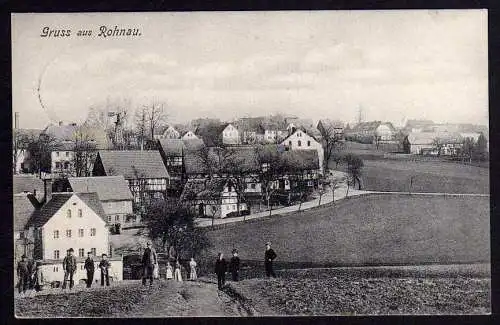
{"x":56,"y":234}
{"x":109,"y":218}
{"x":56,"y":269}
{"x":68,"y":233}
{"x":82,"y":267}
{"x":58,"y":165}
{"x":81,"y":252}
{"x":57,"y":153}
{"x":299,"y":143}
{"x":67,"y":154}
{"x":252,"y":186}
{"x":234,"y":207}
{"x":80,"y":213}
{"x":308,"y":143}
{"x":92,"y":231}
{"x":68,"y":213}
{"x":93,"y":250}
{"x":66,"y":165}
{"x":290,"y":143}
{"x":117,"y":218}
{"x":80,"y":232}
{"x":56,"y":254}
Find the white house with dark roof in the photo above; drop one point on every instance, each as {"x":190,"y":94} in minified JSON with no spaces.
{"x":169,"y":133}
{"x":71,"y":220}
{"x":114,"y":195}
{"x":230,"y":135}
{"x":189,"y":135}
{"x":300,"y":140}
{"x":144,"y":171}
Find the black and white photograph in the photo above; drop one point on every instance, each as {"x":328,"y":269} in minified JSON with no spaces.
{"x":250,"y":163}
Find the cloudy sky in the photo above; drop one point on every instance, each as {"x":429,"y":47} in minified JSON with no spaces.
{"x":393,"y":65}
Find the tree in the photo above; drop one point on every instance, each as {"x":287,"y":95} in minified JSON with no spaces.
{"x":332,"y":142}
{"x":40,"y":149}
{"x":85,"y":152}
{"x":173,"y":224}
{"x":354,"y":169}
{"x":480,"y":148}
{"x":19,"y":146}
{"x":271,"y":167}
{"x":468,"y":146}
{"x":438,"y":144}
{"x":149,"y":118}
{"x":335,"y":183}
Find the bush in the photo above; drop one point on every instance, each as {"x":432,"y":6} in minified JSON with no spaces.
{"x":235,"y":213}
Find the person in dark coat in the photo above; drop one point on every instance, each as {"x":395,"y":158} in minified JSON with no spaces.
{"x":38,"y":277}
{"x":69,"y":267}
{"x":104,"y":265}
{"x":23,"y":274}
{"x":220,"y":270}
{"x":149,"y":260}
{"x":269,"y":257}
{"x":234,"y":266}
{"x":90,"y":267}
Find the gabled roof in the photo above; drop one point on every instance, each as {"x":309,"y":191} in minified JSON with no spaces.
{"x":418,"y":123}
{"x":213,"y":188}
{"x":315,"y":137}
{"x":108,"y":188}
{"x":42,"y":216}
{"x":172,"y":147}
{"x":24,"y":207}
{"x":327,"y":123}
{"x":133,"y":163}
{"x":64,"y":146}
{"x":370,"y":126}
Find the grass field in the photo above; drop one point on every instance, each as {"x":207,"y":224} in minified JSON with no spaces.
{"x":372,"y":230}
{"x":392,"y":175}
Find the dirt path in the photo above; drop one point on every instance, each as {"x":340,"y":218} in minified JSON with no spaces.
{"x":186,"y":299}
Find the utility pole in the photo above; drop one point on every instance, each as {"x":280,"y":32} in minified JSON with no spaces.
{"x":360,"y":114}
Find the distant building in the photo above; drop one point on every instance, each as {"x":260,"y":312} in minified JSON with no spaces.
{"x":114,"y":195}
{"x":413,"y":126}
{"x":230,"y":135}
{"x":62,"y":159}
{"x":434,"y":143}
{"x":189,"y":135}
{"x":371,"y":132}
{"x":251,"y":130}
{"x":331,"y":128}
{"x":169,"y":133}
{"x":144,"y":170}
{"x":70,"y":220}
{"x":300,"y":140}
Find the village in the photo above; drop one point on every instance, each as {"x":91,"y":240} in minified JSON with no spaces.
{"x":81,"y":186}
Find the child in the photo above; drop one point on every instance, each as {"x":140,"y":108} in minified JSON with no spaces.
{"x":38,"y":277}
{"x":177,"y":272}
{"x":104,"y":265}
{"x":169,"y":271}
{"x":192,"y":266}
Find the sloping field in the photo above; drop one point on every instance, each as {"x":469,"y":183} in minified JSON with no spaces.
{"x":392,"y":175}
{"x":370,"y":230}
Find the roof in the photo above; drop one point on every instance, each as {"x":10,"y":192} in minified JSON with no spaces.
{"x":418,"y":123}
{"x":61,"y":132}
{"x":250,"y":124}
{"x":316,"y":136}
{"x":213,"y":187}
{"x":64,"y":146}
{"x":133,"y":163}
{"x":24,"y":207}
{"x":369,"y":126}
{"x":172,"y":147}
{"x":41,"y":216}
{"x":28,"y":183}
{"x":327,"y":123}
{"x":108,"y":188}
{"x":240,"y":158}
{"x":427,"y":138}
{"x":301,"y":159}
{"x":273,"y":125}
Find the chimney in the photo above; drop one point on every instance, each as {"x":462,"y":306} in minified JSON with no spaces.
{"x":16,"y":120}
{"x":47,"y":190}
{"x":60,"y":123}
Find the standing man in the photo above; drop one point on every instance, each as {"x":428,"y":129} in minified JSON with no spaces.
{"x":220,"y":270}
{"x":23,"y":274}
{"x":69,"y":267}
{"x":104,"y":265}
{"x":234,"y":265}
{"x":269,"y":256}
{"x":149,"y":260}
{"x":89,"y":266}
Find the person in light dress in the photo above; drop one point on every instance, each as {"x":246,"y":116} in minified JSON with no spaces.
{"x":177,"y":272}
{"x":192,"y":265}
{"x":170,"y":273}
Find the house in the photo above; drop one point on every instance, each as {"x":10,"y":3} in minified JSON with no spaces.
{"x":213,"y":198}
{"x":62,"y":159}
{"x":413,"y":126}
{"x":169,"y":133}
{"x":371,"y":132}
{"x":274,"y":131}
{"x":114,"y":195}
{"x":434,"y":143}
{"x":330,"y":128}
{"x":25,"y":204}
{"x":251,"y":130}
{"x":230,"y":135}
{"x":189,"y":135}
{"x":145,"y":172}
{"x":70,"y":220}
{"x":300,"y":140}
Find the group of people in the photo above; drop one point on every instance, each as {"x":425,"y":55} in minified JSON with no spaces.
{"x":32,"y":278}
{"x":234,"y":265}
{"x":151,"y":268}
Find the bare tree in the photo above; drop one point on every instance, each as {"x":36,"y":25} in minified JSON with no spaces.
{"x":271,"y":167}
{"x":40,"y":149}
{"x":332,"y":142}
{"x":85,"y":152}
{"x":20,"y":145}
{"x":438,"y":144}
{"x":149,"y":118}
